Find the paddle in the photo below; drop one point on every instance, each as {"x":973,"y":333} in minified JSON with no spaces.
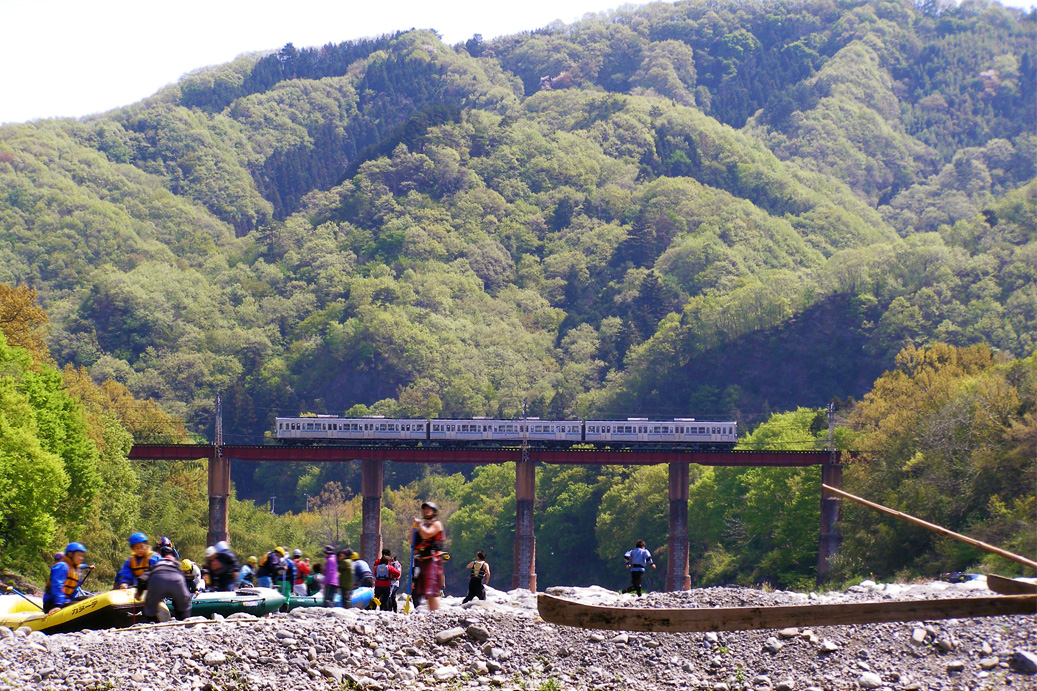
{"x":9,"y":589}
{"x":410,"y":574}
{"x":89,"y":570}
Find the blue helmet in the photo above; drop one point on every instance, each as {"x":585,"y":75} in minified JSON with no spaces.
{"x":75,"y":547}
{"x":137,"y":538}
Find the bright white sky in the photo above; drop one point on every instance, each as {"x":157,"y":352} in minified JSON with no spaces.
{"x":76,"y":57}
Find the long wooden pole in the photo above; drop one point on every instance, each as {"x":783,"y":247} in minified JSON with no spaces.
{"x":556,"y":610}
{"x":933,"y":527}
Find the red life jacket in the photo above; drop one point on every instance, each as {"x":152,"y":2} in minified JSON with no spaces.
{"x":426,"y":547}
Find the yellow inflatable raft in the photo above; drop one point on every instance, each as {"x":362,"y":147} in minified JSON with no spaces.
{"x":115,"y":609}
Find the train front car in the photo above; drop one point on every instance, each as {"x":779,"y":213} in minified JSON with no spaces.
{"x":642,"y":433}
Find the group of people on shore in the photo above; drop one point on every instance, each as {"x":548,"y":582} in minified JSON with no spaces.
{"x":161,"y":574}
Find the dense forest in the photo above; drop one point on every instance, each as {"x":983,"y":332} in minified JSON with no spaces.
{"x":727,"y":210}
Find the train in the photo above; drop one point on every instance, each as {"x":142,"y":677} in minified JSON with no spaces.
{"x":634,"y":432}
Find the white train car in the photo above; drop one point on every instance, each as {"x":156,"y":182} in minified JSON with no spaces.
{"x":486,"y":429}
{"x":334,"y":429}
{"x":676,"y":431}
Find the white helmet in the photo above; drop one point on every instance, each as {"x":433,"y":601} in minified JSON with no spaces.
{"x":222,"y":546}
{"x":210,"y":551}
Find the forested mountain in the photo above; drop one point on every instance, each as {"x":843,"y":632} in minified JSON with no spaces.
{"x":707,"y":208}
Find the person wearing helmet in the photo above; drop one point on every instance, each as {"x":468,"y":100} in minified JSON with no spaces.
{"x":302,"y":572}
{"x":192,"y":576}
{"x":248,"y":573}
{"x":141,"y":558}
{"x":166,"y":542}
{"x":66,"y":577}
{"x":428,"y":541}
{"x":164,"y":580}
{"x":285,"y":580}
{"x":221,"y":568}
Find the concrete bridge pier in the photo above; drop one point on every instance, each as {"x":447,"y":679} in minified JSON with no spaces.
{"x":371,"y":472}
{"x":525,"y":543}
{"x":219,"y":494}
{"x":677,"y":575}
{"x":831,"y":513}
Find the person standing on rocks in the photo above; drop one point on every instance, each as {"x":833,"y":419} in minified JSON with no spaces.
{"x":66,"y":576}
{"x":480,"y":571}
{"x":330,"y":576}
{"x":637,"y":559}
{"x":164,"y":579}
{"x":345,"y":576}
{"x":384,"y":573}
{"x":431,"y":537}
{"x":395,"y":584}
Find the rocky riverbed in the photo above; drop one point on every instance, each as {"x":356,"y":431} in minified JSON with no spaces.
{"x":502,"y":644}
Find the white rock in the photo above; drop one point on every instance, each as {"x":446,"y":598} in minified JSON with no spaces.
{"x":444,"y":637}
{"x":445,"y":673}
{"x":214,"y":658}
{"x":870,"y":680}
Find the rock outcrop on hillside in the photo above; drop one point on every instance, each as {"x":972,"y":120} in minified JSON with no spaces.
{"x":503,"y":644}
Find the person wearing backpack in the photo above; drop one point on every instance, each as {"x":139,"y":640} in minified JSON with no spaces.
{"x":269,"y":564}
{"x":384,"y":574}
{"x":394,"y":585}
{"x":480,"y":571}
{"x":285,"y":581}
{"x":637,"y":560}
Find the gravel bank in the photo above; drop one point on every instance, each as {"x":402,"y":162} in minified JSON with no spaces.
{"x":503,"y":645}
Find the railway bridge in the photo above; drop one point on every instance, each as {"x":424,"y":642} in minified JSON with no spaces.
{"x":373,"y":458}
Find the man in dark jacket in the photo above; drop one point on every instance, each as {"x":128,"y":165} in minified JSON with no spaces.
{"x":162,"y":580}
{"x":223,"y":567}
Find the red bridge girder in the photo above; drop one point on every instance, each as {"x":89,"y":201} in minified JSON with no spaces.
{"x":340,"y":454}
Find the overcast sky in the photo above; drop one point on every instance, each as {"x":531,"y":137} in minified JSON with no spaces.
{"x":74,"y":58}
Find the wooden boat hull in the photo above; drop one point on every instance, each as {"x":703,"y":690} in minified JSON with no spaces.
{"x":115,"y":609}
{"x":1010,"y":586}
{"x":557,"y":610}
{"x":256,"y":601}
